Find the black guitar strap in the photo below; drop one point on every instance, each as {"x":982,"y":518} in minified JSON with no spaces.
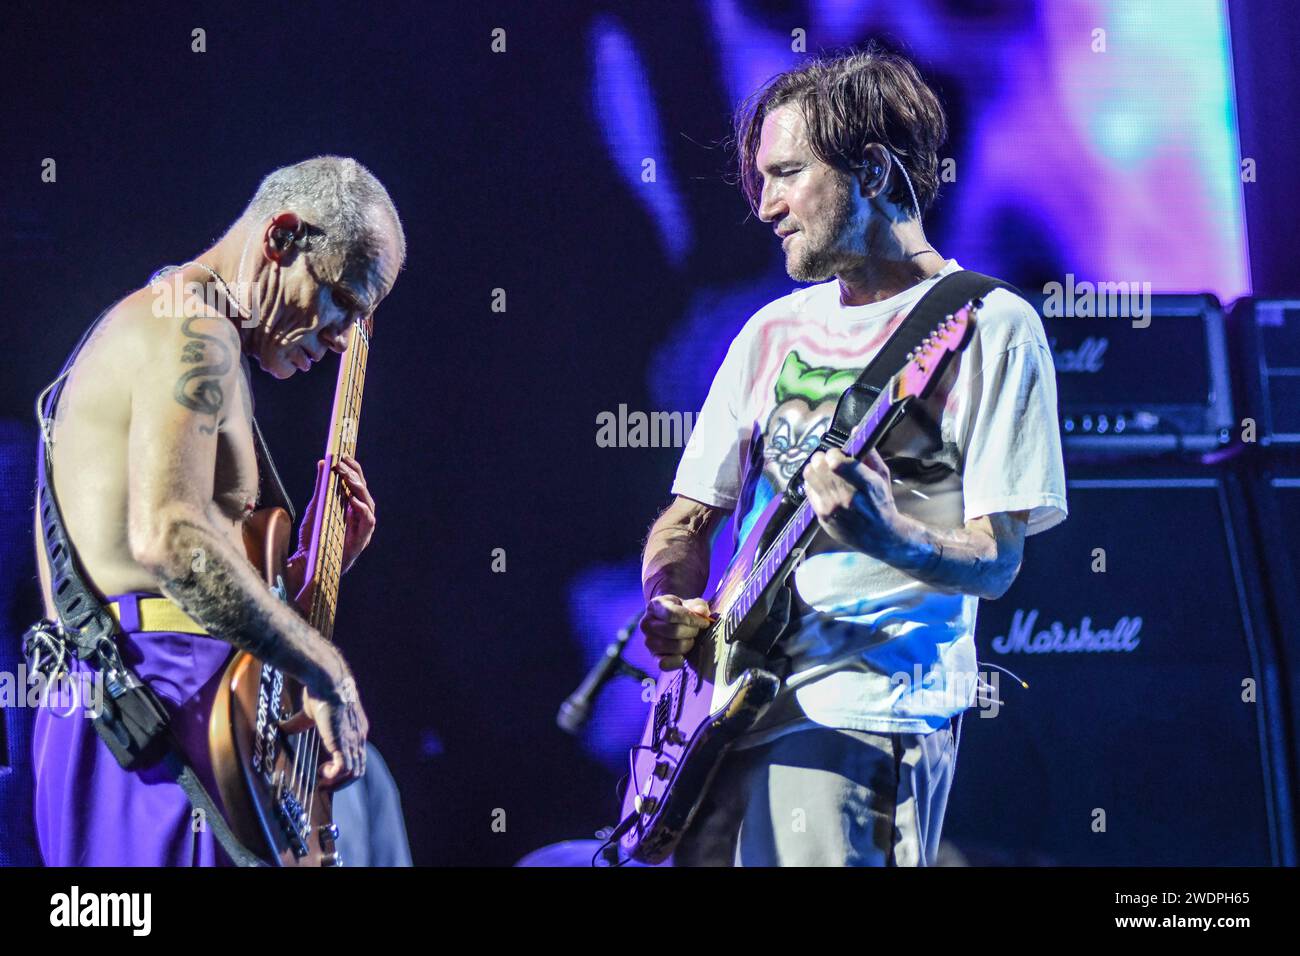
{"x":133,"y":723}
{"x":279,"y":498}
{"x":948,"y":295}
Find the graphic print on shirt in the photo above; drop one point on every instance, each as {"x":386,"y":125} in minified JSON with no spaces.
{"x":805,"y":397}
{"x":805,"y":403}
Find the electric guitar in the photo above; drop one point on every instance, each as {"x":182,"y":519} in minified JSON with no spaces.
{"x":268,"y":779}
{"x":723,"y":688}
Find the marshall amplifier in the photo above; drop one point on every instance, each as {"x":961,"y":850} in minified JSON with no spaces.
{"x":1153,"y":730}
{"x":1270,"y":329}
{"x":1143,"y":376}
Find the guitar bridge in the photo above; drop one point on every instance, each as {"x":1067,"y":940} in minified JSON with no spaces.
{"x":293,"y":820}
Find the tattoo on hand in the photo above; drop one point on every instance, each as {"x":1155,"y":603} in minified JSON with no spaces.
{"x":347,"y":691}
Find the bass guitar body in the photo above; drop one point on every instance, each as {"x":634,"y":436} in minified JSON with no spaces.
{"x":267,"y":778}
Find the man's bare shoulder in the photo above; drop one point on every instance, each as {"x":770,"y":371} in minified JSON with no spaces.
{"x":166,"y":333}
{"x":152,"y":355}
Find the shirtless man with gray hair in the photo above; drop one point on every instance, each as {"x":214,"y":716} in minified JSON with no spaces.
{"x":154,"y":462}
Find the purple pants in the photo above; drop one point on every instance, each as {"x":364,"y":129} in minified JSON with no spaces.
{"x":91,"y":812}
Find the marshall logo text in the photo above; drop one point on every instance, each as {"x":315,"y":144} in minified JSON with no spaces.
{"x":1022,"y":639}
{"x":1086,"y":358}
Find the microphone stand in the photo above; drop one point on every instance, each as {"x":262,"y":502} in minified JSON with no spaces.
{"x":576,"y":710}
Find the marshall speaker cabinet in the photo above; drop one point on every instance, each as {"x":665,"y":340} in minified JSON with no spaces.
{"x":1266,"y":337}
{"x":1153,"y":730}
{"x":1275,"y":500}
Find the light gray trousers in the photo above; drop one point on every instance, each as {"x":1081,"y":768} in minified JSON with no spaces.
{"x":822,"y":797}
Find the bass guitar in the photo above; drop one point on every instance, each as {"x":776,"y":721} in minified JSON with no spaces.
{"x":268,"y":779}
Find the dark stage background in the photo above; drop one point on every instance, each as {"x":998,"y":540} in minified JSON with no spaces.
{"x":479,"y":426}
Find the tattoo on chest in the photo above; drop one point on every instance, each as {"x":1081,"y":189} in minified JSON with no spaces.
{"x":199,"y":389}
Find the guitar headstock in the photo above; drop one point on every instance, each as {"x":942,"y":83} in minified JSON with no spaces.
{"x":927,"y":362}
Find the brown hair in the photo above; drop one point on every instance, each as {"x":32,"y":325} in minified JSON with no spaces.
{"x":849,"y":102}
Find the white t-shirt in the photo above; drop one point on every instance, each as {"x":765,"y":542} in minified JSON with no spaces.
{"x":876,"y":649}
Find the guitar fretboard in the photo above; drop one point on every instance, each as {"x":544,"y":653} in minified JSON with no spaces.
{"x":325,"y":559}
{"x":803,"y":518}
{"x":925,"y":363}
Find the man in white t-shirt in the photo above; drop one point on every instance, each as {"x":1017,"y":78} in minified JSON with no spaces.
{"x":853,"y":762}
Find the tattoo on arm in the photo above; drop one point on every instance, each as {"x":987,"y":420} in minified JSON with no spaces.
{"x":968,"y":560}
{"x":199,"y":389}
{"x":223,"y":593}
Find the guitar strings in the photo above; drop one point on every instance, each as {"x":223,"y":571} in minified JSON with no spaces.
{"x":725,"y":624}
{"x":351,"y":402}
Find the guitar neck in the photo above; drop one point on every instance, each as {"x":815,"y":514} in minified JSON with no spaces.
{"x":917,"y":378}
{"x":802,"y":524}
{"x":325,"y":557}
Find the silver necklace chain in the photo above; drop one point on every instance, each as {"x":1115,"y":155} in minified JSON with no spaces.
{"x":230,"y":295}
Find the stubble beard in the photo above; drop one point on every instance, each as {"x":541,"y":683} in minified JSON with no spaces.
{"x":818,"y":254}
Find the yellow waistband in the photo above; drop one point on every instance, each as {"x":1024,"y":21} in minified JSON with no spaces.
{"x":160,"y":614}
